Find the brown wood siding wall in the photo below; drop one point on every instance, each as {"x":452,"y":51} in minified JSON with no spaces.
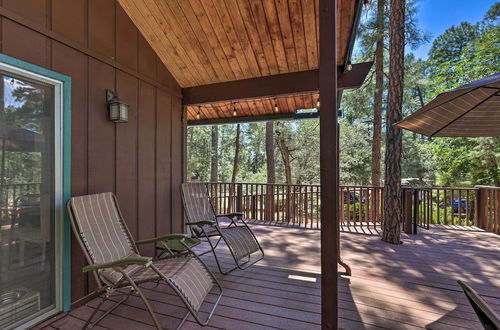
{"x":96,"y":44}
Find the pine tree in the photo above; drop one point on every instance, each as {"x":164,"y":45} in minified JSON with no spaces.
{"x":392,"y":193}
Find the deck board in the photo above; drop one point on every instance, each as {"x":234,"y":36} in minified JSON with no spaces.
{"x":408,"y":286}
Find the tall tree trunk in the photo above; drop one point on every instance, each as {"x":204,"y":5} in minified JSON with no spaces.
{"x":379,"y":90}
{"x":214,"y":156}
{"x":392,"y":195}
{"x":271,"y":163}
{"x":236,"y":153}
{"x":285,"y":155}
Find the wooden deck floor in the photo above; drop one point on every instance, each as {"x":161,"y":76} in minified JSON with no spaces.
{"x":410,"y":286}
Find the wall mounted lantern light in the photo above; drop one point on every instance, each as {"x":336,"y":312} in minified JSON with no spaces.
{"x":118,"y":111}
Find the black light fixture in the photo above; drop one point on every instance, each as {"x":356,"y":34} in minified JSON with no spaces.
{"x":276,"y":108}
{"x":118,"y":111}
{"x":317,"y":103}
{"x":198,"y":113}
{"x":234,"y":110}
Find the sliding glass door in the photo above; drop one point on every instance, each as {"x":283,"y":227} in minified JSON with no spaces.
{"x":30,"y":194}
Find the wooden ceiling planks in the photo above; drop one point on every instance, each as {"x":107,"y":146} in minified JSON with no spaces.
{"x":253,"y":108}
{"x":210,"y":41}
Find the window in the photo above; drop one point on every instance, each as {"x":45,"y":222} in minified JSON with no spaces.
{"x":31,"y":186}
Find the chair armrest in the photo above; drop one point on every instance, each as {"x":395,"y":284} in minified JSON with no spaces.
{"x":162,"y":238}
{"x":202,"y":223}
{"x":486,"y":314}
{"x":136,"y":260}
{"x":231,"y":215}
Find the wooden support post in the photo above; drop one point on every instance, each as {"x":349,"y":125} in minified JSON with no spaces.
{"x":482,"y":208}
{"x":239,"y":198}
{"x":407,"y":210}
{"x":328,"y":162}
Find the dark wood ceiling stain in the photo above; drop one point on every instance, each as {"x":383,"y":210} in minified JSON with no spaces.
{"x":210,"y":41}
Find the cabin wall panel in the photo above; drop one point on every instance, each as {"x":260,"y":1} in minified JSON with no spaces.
{"x":127,"y":41}
{"x":101,"y":22}
{"x":147,"y":64}
{"x":147,"y":167}
{"x":34,"y":10}
{"x":101,"y":139}
{"x":163,"y":163}
{"x":177,"y":166}
{"x":133,"y":159}
{"x":24,"y":44}
{"x":69,"y":19}
{"x":126,"y":151}
{"x":74,"y":64}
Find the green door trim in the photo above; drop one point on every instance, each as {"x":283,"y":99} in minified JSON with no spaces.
{"x":66,"y":166}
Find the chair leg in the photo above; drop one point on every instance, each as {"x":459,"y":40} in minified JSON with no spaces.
{"x":89,"y":325}
{"x":183,"y":320}
{"x":217,"y":259}
{"x":146,"y":302}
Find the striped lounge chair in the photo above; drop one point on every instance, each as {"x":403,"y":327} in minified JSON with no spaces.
{"x":239,"y":238}
{"x":120,"y":270}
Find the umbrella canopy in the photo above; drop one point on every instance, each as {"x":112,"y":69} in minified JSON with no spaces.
{"x":472,"y":110}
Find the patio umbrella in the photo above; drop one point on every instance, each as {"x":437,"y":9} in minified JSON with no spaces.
{"x":472,"y":110}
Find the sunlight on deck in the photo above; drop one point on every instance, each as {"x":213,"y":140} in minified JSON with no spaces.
{"x":409,"y":286}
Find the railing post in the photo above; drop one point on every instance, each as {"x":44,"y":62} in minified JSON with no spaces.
{"x":415,"y":210}
{"x":239,"y":198}
{"x":482,"y":208}
{"x":407,"y":210}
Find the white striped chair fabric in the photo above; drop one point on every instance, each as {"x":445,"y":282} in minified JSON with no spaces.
{"x":107,"y":239}
{"x":198,"y":208}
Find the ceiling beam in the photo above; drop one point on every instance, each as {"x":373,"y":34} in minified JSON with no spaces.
{"x":269,"y":86}
{"x":255,"y":119}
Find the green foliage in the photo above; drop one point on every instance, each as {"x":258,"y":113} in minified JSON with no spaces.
{"x":301,"y":138}
{"x":463,"y":54}
{"x":464,"y":161}
{"x":460,"y":55}
{"x":198,"y":140}
{"x":355,"y":153}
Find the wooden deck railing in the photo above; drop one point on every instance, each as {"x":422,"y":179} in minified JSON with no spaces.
{"x":10,"y":194}
{"x":488,"y":210}
{"x":360,"y":205}
{"x":440,"y":205}
{"x":296,"y":204}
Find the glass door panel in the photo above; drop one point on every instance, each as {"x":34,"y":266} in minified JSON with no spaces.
{"x":27,"y":193}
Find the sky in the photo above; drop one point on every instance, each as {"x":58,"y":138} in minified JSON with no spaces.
{"x":435,"y":16}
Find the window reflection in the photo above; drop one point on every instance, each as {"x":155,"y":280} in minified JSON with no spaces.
{"x":26,"y":198}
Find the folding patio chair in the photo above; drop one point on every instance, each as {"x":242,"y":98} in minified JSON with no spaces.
{"x":204,"y":223}
{"x":120,"y":270}
{"x":488,"y":317}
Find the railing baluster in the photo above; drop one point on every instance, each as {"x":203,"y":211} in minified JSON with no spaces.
{"x":301,"y":204}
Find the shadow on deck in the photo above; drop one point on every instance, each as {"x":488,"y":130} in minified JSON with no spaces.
{"x":409,"y":286}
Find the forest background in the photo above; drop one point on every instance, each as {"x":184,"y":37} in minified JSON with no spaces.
{"x":288,"y":151}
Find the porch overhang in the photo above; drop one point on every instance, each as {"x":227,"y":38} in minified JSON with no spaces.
{"x":245,"y":59}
